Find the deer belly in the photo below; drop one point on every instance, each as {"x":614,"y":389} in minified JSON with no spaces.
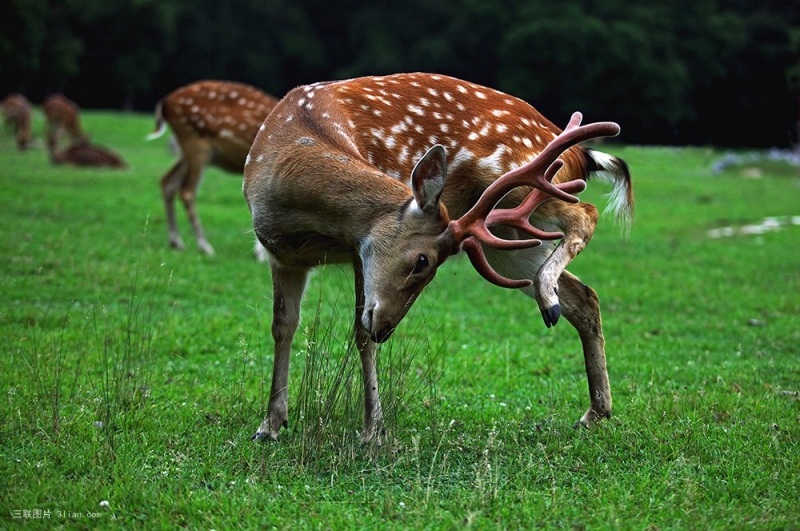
{"x":305,"y":249}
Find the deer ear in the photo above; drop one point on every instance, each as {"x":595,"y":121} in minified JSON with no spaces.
{"x":429,"y":177}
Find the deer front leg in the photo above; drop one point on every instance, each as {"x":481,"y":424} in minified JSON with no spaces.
{"x":581,"y":308}
{"x":288,"y":286}
{"x":170,"y":184}
{"x":578,"y":223}
{"x":373,"y":413}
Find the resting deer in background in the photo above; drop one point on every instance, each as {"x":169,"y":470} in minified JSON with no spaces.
{"x":87,"y":155}
{"x":17,"y":109}
{"x":215,"y":123}
{"x":62,"y":116}
{"x":395,"y":174}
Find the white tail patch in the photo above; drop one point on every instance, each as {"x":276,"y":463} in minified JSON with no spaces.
{"x":162,"y":128}
{"x":615,"y":172}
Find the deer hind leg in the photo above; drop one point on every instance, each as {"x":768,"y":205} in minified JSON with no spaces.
{"x":577,"y":223}
{"x":581,"y":308}
{"x":288,"y":285}
{"x":198,"y":155}
{"x":373,"y":412}
{"x":170,"y":184}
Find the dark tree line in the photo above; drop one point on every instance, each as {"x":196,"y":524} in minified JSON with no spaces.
{"x":722,"y":72}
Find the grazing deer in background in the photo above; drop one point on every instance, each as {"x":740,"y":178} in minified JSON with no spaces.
{"x":215,"y":123}
{"x":85,"y":154}
{"x":17,"y":109}
{"x":62,"y":116}
{"x":395,"y":174}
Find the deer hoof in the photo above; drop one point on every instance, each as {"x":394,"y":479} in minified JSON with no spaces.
{"x":551,"y":315}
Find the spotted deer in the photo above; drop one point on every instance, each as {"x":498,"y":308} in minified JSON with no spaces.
{"x":17,"y":110}
{"x":214,"y":123}
{"x":395,"y":174}
{"x":62,"y":116}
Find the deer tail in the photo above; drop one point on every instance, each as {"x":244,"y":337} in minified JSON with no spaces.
{"x":161,"y":127}
{"x":615,"y":172}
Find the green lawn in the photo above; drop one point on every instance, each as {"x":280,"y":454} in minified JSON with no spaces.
{"x":133,"y":375}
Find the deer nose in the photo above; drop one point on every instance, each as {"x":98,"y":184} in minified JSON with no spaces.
{"x":381,"y":334}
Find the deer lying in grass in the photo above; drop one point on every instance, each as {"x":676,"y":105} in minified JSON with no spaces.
{"x":215,"y":123}
{"x":17,"y":110}
{"x":395,"y":174}
{"x":84,"y":154}
{"x":62,"y":116}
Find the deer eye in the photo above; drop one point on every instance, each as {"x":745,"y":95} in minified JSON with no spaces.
{"x":420,"y":265}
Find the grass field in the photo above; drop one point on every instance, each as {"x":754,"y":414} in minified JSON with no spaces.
{"x":133,"y":375}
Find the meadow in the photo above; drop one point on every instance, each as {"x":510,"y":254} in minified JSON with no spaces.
{"x":133,"y":375}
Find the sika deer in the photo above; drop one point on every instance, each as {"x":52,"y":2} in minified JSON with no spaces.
{"x":215,"y":123}
{"x":62,"y":116}
{"x":395,"y":174}
{"x":17,"y":109}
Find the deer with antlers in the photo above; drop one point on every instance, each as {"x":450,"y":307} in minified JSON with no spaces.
{"x":214,"y":123}
{"x":62,"y":116}
{"x":395,"y":174}
{"x":17,"y":110}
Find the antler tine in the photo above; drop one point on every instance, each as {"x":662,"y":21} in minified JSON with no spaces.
{"x":472,"y":227}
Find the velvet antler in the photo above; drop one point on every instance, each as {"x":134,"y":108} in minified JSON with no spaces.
{"x":472,"y":229}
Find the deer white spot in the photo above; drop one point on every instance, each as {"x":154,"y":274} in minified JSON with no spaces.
{"x":485,"y":129}
{"x":326,"y":115}
{"x":399,"y":128}
{"x":225,"y":133}
{"x":449,"y":97}
{"x":289,"y":118}
{"x":462,"y":89}
{"x":241,"y":101}
{"x":262,"y":127}
{"x":402,"y":158}
{"x":234,"y":94}
{"x":259,"y":158}
{"x":301,"y":102}
{"x":527,"y":142}
{"x":377,"y":133}
{"x":444,"y":128}
{"x":433,"y":91}
{"x":432,"y":140}
{"x":195,"y":108}
{"x":416,"y":110}
{"x":390,"y":142}
{"x":425,"y":102}
{"x":247,"y":160}
{"x":500,"y":112}
{"x":480,"y":95}
{"x":212,"y":95}
{"x":377,"y":112}
{"x":501,"y":128}
{"x":473,"y":136}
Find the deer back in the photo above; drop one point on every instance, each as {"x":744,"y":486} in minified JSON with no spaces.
{"x":224,"y":114}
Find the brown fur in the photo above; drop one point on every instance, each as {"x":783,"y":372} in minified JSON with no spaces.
{"x":346,"y":172}
{"x":214,"y":123}
{"x":62,"y":116}
{"x":17,"y":110}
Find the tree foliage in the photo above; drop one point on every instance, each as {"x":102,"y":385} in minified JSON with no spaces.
{"x":723,"y":72}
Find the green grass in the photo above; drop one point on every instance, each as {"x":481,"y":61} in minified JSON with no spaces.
{"x":135,"y":375}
